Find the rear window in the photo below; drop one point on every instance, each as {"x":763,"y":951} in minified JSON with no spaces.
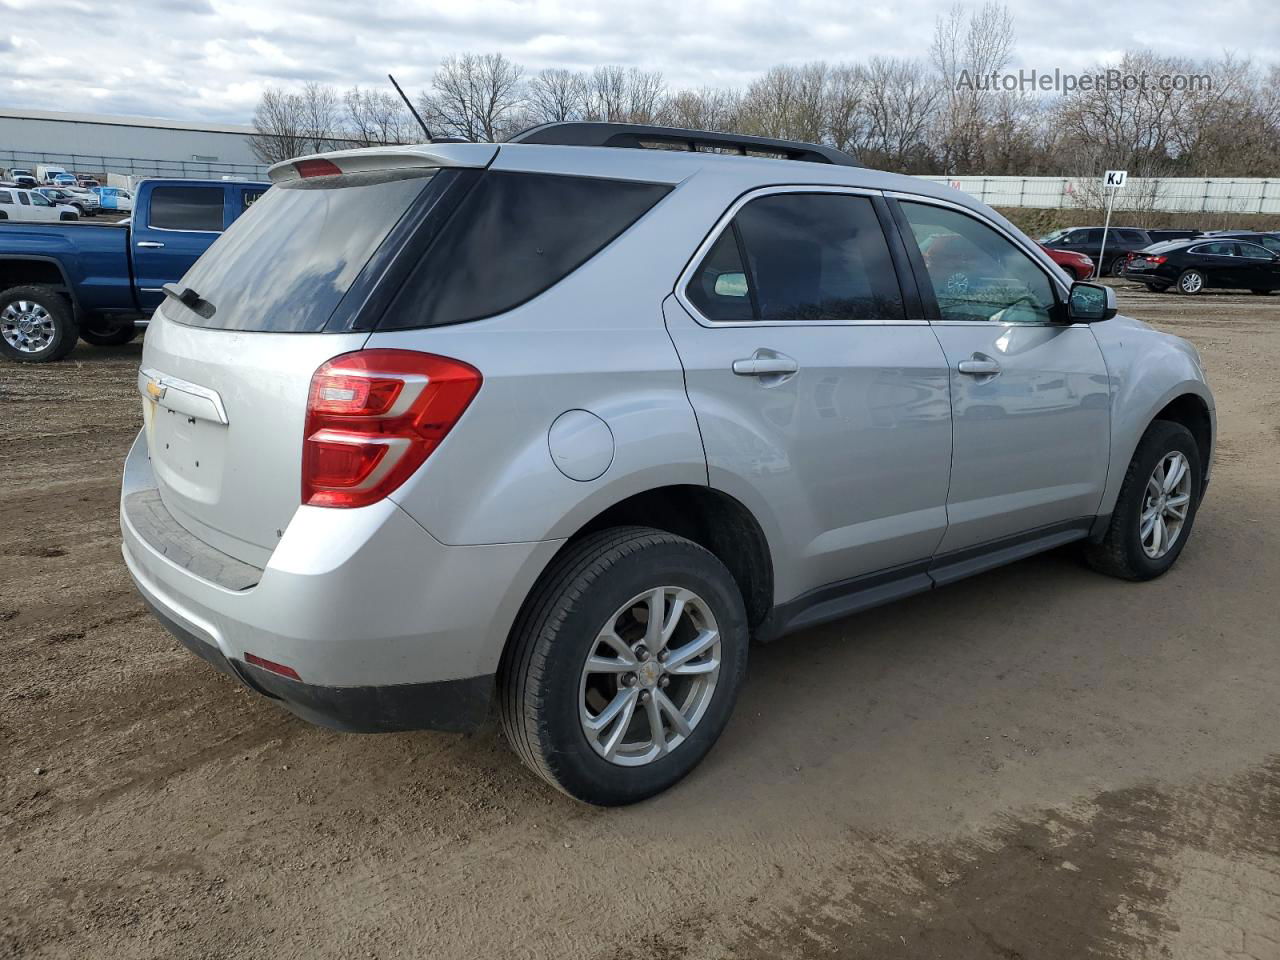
{"x":286,"y":263}
{"x":515,"y":235}
{"x":186,"y":208}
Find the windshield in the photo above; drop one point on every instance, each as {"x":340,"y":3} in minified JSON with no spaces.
{"x":287,"y":262}
{"x":1056,"y":235}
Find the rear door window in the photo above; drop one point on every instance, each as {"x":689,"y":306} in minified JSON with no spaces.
{"x":1254,"y":251}
{"x":811,"y":258}
{"x":187,"y":208}
{"x":287,"y":262}
{"x":512,"y":237}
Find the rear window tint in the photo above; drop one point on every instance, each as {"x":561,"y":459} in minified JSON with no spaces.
{"x":286,"y":263}
{"x":186,"y":208}
{"x":515,"y":235}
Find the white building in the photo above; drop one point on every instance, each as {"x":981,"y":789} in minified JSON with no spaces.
{"x":94,"y":143}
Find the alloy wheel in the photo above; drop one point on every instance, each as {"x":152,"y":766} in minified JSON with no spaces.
{"x":650,"y":676}
{"x":1165,"y":504}
{"x":26,"y":326}
{"x":1191,"y":283}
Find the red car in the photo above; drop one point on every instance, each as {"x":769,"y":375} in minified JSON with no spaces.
{"x":1077,"y":264}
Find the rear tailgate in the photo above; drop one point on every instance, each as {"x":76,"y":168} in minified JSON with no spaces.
{"x":224,"y":414}
{"x":226,"y":366}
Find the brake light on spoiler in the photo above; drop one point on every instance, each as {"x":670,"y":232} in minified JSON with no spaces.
{"x":373,"y":418}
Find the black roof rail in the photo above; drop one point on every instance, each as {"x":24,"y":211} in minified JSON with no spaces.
{"x":583,"y":133}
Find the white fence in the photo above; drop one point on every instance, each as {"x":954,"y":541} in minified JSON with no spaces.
{"x":1165,"y":194}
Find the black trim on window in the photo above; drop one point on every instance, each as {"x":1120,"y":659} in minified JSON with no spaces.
{"x":379,"y":283}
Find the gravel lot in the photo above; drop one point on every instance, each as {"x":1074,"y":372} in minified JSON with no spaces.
{"x":1037,"y":763}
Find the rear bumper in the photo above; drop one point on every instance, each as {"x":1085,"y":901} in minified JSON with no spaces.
{"x":386,"y":627}
{"x":454,"y":705}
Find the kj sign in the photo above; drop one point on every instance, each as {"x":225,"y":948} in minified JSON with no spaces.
{"x":1114,"y":179}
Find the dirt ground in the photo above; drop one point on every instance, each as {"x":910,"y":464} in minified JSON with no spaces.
{"x":1036,"y":763}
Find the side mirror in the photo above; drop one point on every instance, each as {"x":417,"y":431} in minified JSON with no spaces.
{"x":1091,"y":303}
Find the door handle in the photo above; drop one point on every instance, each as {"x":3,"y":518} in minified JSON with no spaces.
{"x":979,"y":367}
{"x":149,"y":244}
{"x":765,"y":366}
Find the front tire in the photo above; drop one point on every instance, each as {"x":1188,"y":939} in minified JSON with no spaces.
{"x":586,"y":700}
{"x":1156,"y":507}
{"x":37,"y":324}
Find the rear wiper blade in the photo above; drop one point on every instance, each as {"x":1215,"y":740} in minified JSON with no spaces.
{"x":189,"y":299}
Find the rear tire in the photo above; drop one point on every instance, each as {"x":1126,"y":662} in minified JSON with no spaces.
{"x":37,"y":324}
{"x":548,"y":694}
{"x":108,"y":335}
{"x":1158,"y":287}
{"x":1115,"y":267}
{"x":1191,"y":282}
{"x":1124,"y":550}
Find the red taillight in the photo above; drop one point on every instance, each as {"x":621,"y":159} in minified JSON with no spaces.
{"x":373,"y":417}
{"x":316,"y":167}
{"x":1156,"y":259}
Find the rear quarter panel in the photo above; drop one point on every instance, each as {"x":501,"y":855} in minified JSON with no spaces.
{"x":94,"y":260}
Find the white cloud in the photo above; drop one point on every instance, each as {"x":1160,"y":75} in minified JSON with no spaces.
{"x":209,"y":59}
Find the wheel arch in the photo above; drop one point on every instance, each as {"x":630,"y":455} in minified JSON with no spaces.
{"x":24,"y":270}
{"x":710,"y":518}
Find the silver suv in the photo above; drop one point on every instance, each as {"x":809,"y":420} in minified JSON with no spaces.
{"x":560,"y":427}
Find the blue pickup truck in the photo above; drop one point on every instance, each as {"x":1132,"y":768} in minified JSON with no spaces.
{"x":60,"y":283}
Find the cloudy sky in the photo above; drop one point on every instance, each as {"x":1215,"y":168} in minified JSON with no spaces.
{"x":210,"y":59}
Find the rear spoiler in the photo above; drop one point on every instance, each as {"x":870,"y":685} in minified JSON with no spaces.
{"x":376,"y":159}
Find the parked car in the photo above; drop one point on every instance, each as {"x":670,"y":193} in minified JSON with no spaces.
{"x":47,"y":173}
{"x":1121,"y":241}
{"x":21,"y":177}
{"x":114,"y":198}
{"x":1077,"y":264}
{"x":561,"y":429}
{"x":1193,"y":266}
{"x":86,"y":204}
{"x":88,"y":182}
{"x":1269,"y":240}
{"x":32,"y":205}
{"x":1160,"y":234}
{"x":101,"y":284}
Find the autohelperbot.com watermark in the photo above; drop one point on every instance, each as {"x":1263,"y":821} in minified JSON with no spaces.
{"x":1060,"y":81}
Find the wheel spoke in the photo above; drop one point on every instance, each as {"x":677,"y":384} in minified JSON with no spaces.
{"x":1157,"y":537}
{"x":656,"y":603}
{"x":597,"y":664}
{"x":600,"y":721}
{"x":655,"y":725}
{"x":616,"y":644}
{"x":1148,"y":524}
{"x":678,"y":603}
{"x":678,"y":722}
{"x":620,"y":728}
{"x":678,"y":658}
{"x":1174,"y":476}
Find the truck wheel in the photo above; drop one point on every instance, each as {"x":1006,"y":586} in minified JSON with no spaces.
{"x":100,"y":333}
{"x":68,"y":216}
{"x":623,"y":667}
{"x":37,"y":324}
{"x":1156,"y":506}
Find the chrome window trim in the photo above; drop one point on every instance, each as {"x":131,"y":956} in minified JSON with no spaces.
{"x":721,"y":224}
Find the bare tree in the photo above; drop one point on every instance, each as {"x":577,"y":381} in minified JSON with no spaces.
{"x":967,"y":47}
{"x":621,"y":95}
{"x":846,"y":115}
{"x":280,"y":126}
{"x":705,"y":109}
{"x":476,"y":96}
{"x":901,"y":102}
{"x":556,"y":95}
{"x":376,"y":117}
